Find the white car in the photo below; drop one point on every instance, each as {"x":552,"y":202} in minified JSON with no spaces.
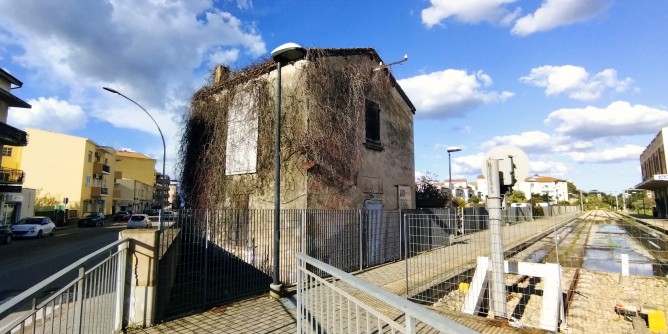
{"x":139,"y":220}
{"x":36,"y":227}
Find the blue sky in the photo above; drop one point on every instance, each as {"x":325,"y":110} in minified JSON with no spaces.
{"x":580,"y":85}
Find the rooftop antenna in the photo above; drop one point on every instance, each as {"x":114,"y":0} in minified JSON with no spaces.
{"x":383,"y":66}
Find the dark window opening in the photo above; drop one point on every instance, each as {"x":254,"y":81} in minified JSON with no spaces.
{"x":372,"y":120}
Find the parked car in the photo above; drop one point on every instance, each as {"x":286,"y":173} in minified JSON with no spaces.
{"x":151,"y":212}
{"x":139,"y":220}
{"x":92,"y":219}
{"x":34,"y":227}
{"x":5,"y":233}
{"x":122,"y":215}
{"x":168,"y":215}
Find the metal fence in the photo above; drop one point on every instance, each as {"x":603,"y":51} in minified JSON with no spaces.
{"x":92,"y":302}
{"x":586,"y":272}
{"x":224,"y":255}
{"x":344,"y":303}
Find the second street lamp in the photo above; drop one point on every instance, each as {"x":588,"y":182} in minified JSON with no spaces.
{"x":450,"y":150}
{"x":164,"y":147}
{"x":283,"y":54}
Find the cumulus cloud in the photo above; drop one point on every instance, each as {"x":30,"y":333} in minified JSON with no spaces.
{"x":118,"y":44}
{"x":450,"y":93}
{"x":620,"y":118}
{"x":617,"y":154}
{"x":551,"y":14}
{"x":555,"y":13}
{"x":530,"y":141}
{"x":468,"y":164}
{"x":552,"y":168}
{"x":470,"y":11}
{"x":49,"y":114}
{"x":575,"y":81}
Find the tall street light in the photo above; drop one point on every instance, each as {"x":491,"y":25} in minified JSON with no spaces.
{"x":450,"y":150}
{"x":282,"y":55}
{"x":164,"y":147}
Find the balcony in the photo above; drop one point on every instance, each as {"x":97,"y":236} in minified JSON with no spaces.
{"x":11,"y":176}
{"x":98,"y":192}
{"x":101,"y":169}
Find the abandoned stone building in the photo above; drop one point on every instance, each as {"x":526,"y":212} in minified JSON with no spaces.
{"x":346,"y":136}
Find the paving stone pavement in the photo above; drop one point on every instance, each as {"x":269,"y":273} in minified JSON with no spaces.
{"x":258,"y":315}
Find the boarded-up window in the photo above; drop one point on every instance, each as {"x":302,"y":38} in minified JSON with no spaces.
{"x":242,"y":133}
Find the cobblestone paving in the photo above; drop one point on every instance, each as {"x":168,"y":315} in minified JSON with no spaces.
{"x":259,"y":315}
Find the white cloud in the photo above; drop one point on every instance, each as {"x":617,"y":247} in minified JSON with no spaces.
{"x":49,"y":114}
{"x":530,"y":141}
{"x":245,"y":4}
{"x":617,"y":154}
{"x":468,"y":164}
{"x":555,"y":13}
{"x":548,"y":168}
{"x":575,"y":81}
{"x":551,"y":14}
{"x":151,"y":57}
{"x":450,"y":93}
{"x":617,"y":119}
{"x":469,"y":11}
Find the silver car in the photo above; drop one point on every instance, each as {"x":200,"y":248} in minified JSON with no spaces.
{"x":139,"y":220}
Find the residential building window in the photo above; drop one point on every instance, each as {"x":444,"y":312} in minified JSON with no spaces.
{"x":87,"y":180}
{"x":90,"y":156}
{"x":6,"y":151}
{"x":96,"y":182}
{"x":372,"y":126}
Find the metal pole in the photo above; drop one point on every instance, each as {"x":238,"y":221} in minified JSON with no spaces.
{"x":276,"y":286}
{"x":498,"y":281}
{"x":581,"y":207}
{"x":452,"y":194}
{"x":164,"y":147}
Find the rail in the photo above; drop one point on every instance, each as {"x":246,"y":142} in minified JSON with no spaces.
{"x":92,"y":302}
{"x":332,"y":305}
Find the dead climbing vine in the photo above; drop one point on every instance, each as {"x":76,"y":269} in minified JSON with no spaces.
{"x":322,"y":126}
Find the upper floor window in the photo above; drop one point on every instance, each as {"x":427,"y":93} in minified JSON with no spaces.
{"x":90,"y":156}
{"x":6,"y":151}
{"x":87,"y":180}
{"x":372,"y":126}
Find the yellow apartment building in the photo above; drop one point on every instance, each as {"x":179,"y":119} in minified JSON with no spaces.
{"x":134,"y":191}
{"x":72,"y":168}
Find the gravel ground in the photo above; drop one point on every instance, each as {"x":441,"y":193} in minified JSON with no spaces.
{"x":593,"y":305}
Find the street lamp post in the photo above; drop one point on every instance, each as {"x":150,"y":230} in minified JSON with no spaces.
{"x":450,"y":150}
{"x":164,"y":147}
{"x":283,"y":54}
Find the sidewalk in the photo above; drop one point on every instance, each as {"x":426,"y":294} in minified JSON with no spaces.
{"x":258,"y":315}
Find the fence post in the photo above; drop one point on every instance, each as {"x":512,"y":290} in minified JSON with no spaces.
{"x":303,"y":231}
{"x":361,"y":234}
{"x":206,"y":257}
{"x":120,"y":286}
{"x":78,"y":305}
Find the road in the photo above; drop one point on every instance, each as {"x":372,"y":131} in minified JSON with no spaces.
{"x":26,"y":262}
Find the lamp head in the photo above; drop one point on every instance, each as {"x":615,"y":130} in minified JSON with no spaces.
{"x":288,"y":52}
{"x":110,"y":90}
{"x":453,"y":149}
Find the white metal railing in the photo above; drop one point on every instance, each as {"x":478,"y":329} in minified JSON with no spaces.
{"x":345,"y":303}
{"x":91,"y":303}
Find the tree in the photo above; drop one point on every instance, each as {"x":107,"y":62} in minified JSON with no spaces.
{"x":517,"y":197}
{"x":474,"y":199}
{"x":46,"y":199}
{"x":425,"y":188}
{"x":460,"y":202}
